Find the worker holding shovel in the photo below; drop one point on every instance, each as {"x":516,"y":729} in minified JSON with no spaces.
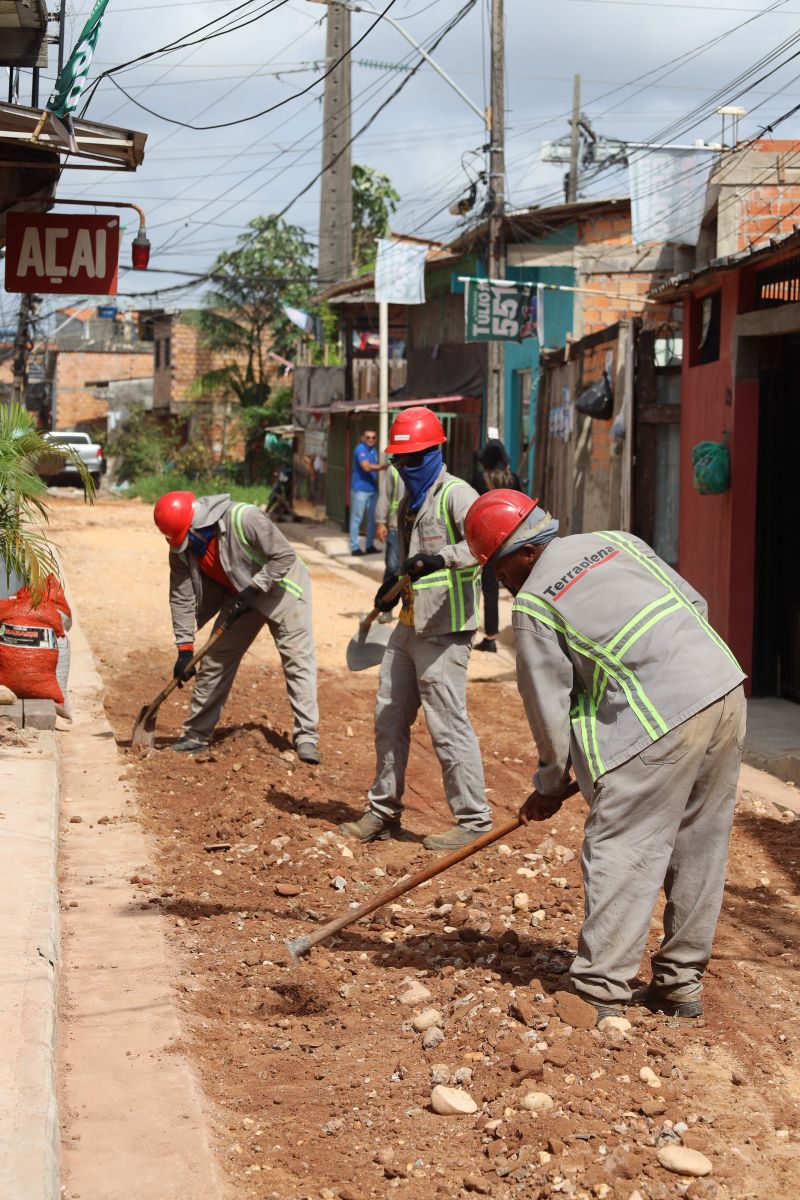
{"x":228,"y":560}
{"x":624,"y":680}
{"x":427,"y":655}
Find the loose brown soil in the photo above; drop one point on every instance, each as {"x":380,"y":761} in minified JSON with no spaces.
{"x":322,"y":1087}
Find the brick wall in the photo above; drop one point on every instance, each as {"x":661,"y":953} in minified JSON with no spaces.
{"x":766,"y":213}
{"x":625,"y":284}
{"x":180,"y":357}
{"x":77,"y":404}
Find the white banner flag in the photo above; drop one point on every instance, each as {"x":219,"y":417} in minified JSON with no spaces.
{"x":668,"y":193}
{"x":400,"y":272}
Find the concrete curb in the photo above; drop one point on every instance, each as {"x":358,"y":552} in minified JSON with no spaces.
{"x":29,"y":1132}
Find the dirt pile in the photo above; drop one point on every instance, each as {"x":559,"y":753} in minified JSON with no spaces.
{"x":324,"y":1072}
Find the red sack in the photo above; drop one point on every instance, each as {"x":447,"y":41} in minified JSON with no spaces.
{"x":28,"y":647}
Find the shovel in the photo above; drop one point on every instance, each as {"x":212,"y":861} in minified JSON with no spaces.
{"x":144,"y":727}
{"x":368,"y":646}
{"x":300,"y":946}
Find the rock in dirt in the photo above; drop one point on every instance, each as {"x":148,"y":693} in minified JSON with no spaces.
{"x":574,"y":1011}
{"x":433,"y":1038}
{"x":528,"y":1064}
{"x":75,"y":820}
{"x":474,"y":1183}
{"x":683,"y":1161}
{"x":6,"y":695}
{"x":288,"y":889}
{"x":426,"y":1020}
{"x":621,"y":1024}
{"x":524,"y":1011}
{"x":522,"y":901}
{"x":440,"y":1073}
{"x":648,"y":1076}
{"x":653,"y":1108}
{"x":415,"y":993}
{"x":339,"y":883}
{"x":452,"y":1102}
{"x":537,"y":1102}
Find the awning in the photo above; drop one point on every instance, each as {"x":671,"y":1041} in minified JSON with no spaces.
{"x":358,"y":406}
{"x":107,"y":145}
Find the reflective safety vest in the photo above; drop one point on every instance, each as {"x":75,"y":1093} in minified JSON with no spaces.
{"x":237,"y":512}
{"x":444,"y":601}
{"x":644,"y":656}
{"x":394,"y":492}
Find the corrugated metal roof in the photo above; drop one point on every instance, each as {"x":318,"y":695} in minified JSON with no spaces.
{"x":679,"y":284}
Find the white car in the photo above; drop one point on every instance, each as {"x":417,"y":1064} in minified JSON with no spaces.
{"x":90,"y":452}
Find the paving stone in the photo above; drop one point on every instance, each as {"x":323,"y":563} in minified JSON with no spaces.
{"x":39,"y":714}
{"x":13,"y":713}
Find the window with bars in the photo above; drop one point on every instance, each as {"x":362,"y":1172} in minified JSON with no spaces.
{"x":779,"y":284}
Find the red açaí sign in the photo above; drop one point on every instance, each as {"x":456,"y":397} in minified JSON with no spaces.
{"x":55,"y":254}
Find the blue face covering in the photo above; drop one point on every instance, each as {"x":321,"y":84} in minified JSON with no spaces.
{"x":199,"y":539}
{"x":420,"y":479}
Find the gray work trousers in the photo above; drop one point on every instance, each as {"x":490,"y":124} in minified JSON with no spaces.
{"x":662,"y":819}
{"x":431,"y":672}
{"x":295,"y":644}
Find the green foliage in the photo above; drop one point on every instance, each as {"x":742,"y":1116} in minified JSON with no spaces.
{"x":150,"y":487}
{"x":195,"y":460}
{"x":270,"y":266}
{"x":139,"y":446}
{"x":374,"y":201}
{"x":24,"y":547}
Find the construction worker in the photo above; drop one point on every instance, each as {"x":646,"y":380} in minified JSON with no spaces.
{"x":623,"y":678}
{"x":427,"y":655}
{"x":389,"y":496}
{"x":228,"y":560}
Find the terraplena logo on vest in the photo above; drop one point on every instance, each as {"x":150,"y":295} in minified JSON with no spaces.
{"x":557,"y":589}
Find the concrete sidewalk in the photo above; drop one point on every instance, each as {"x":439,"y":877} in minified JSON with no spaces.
{"x":28,"y":980}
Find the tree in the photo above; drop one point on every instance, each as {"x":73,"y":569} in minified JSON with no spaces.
{"x":24,"y":547}
{"x":243,"y":316}
{"x":374,"y":201}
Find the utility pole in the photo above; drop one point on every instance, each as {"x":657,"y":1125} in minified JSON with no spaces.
{"x":574,"y":142}
{"x":28,"y":311}
{"x":497,"y":173}
{"x":336,"y":194}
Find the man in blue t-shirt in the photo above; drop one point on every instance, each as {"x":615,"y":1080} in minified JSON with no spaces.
{"x":364,"y":492}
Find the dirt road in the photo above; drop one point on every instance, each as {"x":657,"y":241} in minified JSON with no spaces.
{"x":320,"y":1084}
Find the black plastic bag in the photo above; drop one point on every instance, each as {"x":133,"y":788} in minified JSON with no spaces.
{"x":598,"y":399}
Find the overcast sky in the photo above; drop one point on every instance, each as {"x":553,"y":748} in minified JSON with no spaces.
{"x":200,"y":187}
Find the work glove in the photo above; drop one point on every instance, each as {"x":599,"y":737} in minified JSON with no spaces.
{"x":185,"y":655}
{"x":382,"y":605}
{"x":243,"y":602}
{"x":422,"y":564}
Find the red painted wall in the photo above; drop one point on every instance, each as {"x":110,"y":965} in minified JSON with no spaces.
{"x":717,"y":533}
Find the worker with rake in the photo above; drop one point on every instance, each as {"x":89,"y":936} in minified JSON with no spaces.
{"x":624,"y":680}
{"x":229,"y":561}
{"x":426,"y":659}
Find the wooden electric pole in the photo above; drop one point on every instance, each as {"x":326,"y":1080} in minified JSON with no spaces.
{"x":336,"y":195}
{"x":497,"y":172}
{"x":28,"y":311}
{"x":574,"y":142}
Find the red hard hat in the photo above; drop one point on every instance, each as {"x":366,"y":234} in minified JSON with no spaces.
{"x":492,"y":518}
{"x":415,"y":429}
{"x":173,"y":515}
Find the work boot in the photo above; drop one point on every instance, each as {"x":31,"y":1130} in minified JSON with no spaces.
{"x":188,"y":745}
{"x":660,"y":1002}
{"x":603,"y":1008}
{"x":307,"y":752}
{"x":488,"y":644}
{"x":372,"y":827}
{"x":452,"y":839}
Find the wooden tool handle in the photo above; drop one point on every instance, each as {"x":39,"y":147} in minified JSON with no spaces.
{"x":392,"y":594}
{"x":193,"y":661}
{"x":408,"y":883}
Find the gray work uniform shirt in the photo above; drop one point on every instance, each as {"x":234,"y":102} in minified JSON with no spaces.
{"x":252,"y":553}
{"x":444,"y":601}
{"x":614,"y":650}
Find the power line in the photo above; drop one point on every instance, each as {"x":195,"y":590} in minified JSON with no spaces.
{"x":272,"y":107}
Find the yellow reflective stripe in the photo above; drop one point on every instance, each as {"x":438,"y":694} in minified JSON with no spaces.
{"x":635,"y":553}
{"x":634,"y":693}
{"x":237,"y":514}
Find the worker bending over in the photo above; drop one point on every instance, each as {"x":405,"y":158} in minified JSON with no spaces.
{"x":623,"y":678}
{"x":228,"y":560}
{"x":427,"y":655}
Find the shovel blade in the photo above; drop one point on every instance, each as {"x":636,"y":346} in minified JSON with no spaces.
{"x":144,"y":728}
{"x":368,"y":647}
